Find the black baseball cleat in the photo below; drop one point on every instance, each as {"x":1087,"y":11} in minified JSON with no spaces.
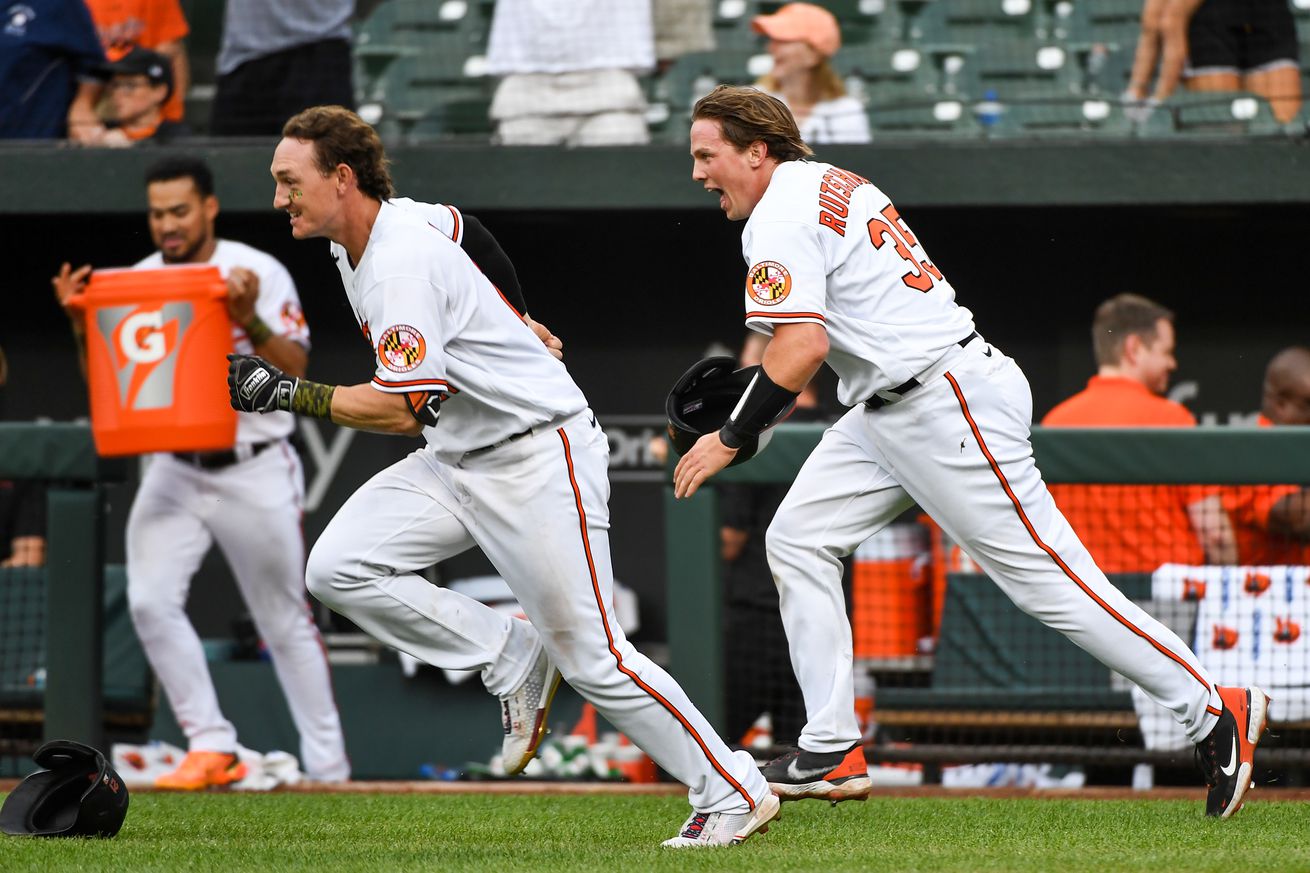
{"x":1226,"y":756}
{"x":831,"y":776}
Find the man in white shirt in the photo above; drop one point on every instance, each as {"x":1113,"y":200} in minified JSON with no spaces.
{"x":515,"y":463}
{"x":249,"y":500}
{"x":569,"y":71}
{"x":940,"y":418}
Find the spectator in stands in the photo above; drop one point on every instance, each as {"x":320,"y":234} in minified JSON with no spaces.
{"x":1136,"y":528}
{"x":570,"y":71}
{"x":280,"y":57}
{"x":1249,"y":46}
{"x":140,"y":84}
{"x":123,"y":24}
{"x":22,"y":510}
{"x":46,"y":48}
{"x":753,"y":632}
{"x":1272,"y":522}
{"x":802,"y":40}
{"x":1217,"y":45}
{"x":681,"y":27}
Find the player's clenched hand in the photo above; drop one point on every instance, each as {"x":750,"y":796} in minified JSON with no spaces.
{"x":553,"y":344}
{"x":255,"y":385}
{"x":706,"y":458}
{"x":242,"y":291}
{"x":69,"y":282}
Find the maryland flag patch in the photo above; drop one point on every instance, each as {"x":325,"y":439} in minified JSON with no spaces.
{"x":768,"y":283}
{"x":401,"y":348}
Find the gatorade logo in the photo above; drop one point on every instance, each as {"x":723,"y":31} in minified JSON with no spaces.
{"x":141,"y":340}
{"x":144,"y":343}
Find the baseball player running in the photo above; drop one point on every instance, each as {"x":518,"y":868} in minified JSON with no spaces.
{"x":940,"y":418}
{"x":514,"y":463}
{"x":249,"y":500}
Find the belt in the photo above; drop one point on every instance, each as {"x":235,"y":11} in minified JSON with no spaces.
{"x":218,"y":460}
{"x":506,"y":441}
{"x":877,"y":401}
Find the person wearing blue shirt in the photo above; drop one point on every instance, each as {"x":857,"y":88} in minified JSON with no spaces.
{"x":46,"y":48}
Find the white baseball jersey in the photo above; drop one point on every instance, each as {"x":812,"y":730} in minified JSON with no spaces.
{"x":439,"y":325}
{"x":446,"y":219}
{"x":278,"y":305}
{"x":827,"y":246}
{"x":536,"y":505}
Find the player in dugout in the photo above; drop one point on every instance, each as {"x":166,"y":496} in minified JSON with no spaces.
{"x":939,"y":417}
{"x":1137,"y":528}
{"x":1272,"y":522}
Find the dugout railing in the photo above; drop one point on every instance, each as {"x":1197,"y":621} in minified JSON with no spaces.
{"x":52,"y":644}
{"x":997,"y":685}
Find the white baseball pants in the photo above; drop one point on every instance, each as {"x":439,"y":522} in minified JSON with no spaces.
{"x":959,"y":446}
{"x":538,"y":508}
{"x":252,"y":509}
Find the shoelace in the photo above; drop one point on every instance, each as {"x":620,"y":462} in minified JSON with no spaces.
{"x":695,"y":825}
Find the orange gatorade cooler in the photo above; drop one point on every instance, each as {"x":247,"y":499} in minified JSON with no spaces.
{"x":890,"y":591}
{"x":156,"y":347}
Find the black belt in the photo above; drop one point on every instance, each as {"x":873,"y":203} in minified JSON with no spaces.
{"x":877,"y":402}
{"x":506,"y":441}
{"x":218,"y":460}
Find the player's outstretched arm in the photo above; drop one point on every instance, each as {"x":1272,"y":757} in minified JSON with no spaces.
{"x":255,"y":385}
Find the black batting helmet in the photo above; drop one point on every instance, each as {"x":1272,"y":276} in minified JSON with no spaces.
{"x":77,"y":795}
{"x":702,"y":400}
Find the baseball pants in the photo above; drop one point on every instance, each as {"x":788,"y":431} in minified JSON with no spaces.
{"x":252,"y":509}
{"x":538,"y":508}
{"x":958,"y":446}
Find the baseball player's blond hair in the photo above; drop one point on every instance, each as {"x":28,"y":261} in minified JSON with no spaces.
{"x":1120,"y":317}
{"x":342,"y":137}
{"x":748,"y":115}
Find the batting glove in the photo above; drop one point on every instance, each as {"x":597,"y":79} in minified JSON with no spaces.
{"x":255,"y":385}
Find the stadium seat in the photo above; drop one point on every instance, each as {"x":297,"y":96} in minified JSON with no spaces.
{"x":1064,"y":118}
{"x":942,"y":118}
{"x":1025,"y":67}
{"x":1234,"y":113}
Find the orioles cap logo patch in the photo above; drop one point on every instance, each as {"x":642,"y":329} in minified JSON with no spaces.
{"x":768,"y":283}
{"x":401,"y":348}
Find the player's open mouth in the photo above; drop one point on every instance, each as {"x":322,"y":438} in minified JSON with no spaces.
{"x":723,"y":198}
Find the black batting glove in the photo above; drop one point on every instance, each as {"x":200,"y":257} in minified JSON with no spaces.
{"x":255,"y":385}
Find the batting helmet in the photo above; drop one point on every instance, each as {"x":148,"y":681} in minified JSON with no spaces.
{"x":77,"y":795}
{"x":702,"y":400}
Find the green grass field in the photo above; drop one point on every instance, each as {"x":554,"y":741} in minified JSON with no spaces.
{"x":282,"y":833}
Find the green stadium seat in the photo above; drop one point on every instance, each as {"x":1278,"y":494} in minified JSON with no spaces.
{"x":1234,"y":113}
{"x":1029,"y":66}
{"x":942,"y":118}
{"x":1065,"y":118}
{"x":1101,"y":68}
{"x":467,"y":117}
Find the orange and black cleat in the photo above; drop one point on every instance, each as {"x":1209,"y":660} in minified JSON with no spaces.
{"x":830,"y":776}
{"x":1227,"y":755}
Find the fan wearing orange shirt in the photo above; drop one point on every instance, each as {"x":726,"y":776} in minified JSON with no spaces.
{"x":1136,"y":528}
{"x":158,"y":25}
{"x":1272,"y":522}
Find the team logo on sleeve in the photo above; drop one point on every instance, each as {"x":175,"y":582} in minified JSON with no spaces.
{"x":401,"y":348}
{"x":293,"y":317}
{"x":768,"y":283}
